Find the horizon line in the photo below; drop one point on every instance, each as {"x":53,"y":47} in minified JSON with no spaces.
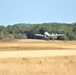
{"x":37,"y":23}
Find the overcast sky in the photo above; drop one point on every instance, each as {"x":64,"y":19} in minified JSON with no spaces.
{"x":37,"y":11}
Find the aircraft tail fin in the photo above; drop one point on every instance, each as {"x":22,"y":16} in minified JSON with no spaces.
{"x":46,"y":33}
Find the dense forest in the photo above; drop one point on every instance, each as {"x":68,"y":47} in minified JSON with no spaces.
{"x":24,"y":31}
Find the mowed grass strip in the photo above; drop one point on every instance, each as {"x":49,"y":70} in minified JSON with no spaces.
{"x":38,"y":45}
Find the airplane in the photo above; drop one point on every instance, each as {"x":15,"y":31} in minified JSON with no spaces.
{"x":47,"y":35}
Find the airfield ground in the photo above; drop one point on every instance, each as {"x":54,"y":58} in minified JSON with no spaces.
{"x":28,"y":44}
{"x":52,"y":65}
{"x":38,"y":66}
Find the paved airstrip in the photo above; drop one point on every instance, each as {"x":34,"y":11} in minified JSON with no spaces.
{"x":37,"y":53}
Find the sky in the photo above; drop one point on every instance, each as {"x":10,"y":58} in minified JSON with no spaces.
{"x":37,"y":11}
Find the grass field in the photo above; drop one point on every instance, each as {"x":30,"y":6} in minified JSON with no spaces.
{"x":38,"y":66}
{"x":59,"y":65}
{"x":28,"y":44}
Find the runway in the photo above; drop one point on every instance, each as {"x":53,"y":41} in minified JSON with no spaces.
{"x":37,"y":53}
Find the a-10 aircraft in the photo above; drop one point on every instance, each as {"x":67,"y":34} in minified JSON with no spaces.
{"x":47,"y":35}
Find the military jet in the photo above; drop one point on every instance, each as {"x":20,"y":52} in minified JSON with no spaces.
{"x":47,"y":35}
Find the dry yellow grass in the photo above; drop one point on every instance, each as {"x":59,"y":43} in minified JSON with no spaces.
{"x":38,"y":66}
{"x":38,"y":45}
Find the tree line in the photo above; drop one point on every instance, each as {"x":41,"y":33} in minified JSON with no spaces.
{"x":24,"y":31}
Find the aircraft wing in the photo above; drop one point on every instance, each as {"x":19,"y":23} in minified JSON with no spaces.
{"x":59,"y":35}
{"x":55,"y":36}
{"x":39,"y":35}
